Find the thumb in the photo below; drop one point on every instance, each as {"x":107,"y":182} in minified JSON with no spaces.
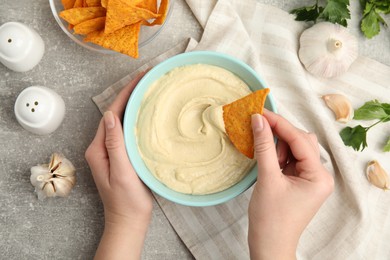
{"x":265,"y":152}
{"x":114,"y":138}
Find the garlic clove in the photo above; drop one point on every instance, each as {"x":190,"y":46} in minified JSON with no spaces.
{"x":71,"y":179}
{"x":39,"y":173}
{"x":65,"y":168}
{"x":63,"y":186}
{"x":327,"y":50}
{"x":377,"y":176}
{"x":55,"y":161}
{"x":48,"y":189}
{"x":39,"y":189}
{"x":340,"y":105}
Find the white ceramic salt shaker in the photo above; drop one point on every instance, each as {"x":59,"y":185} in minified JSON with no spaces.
{"x":21,"y":47}
{"x":39,"y":110}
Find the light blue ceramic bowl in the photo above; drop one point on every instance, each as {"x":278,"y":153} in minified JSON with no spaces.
{"x":239,"y":68}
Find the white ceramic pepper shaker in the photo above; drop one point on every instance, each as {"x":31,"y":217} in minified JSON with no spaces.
{"x":39,"y":110}
{"x":21,"y":47}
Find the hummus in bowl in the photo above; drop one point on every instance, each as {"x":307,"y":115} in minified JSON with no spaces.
{"x":174,"y":131}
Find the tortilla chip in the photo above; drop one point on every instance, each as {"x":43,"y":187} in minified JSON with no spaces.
{"x":96,"y":24}
{"x":67,"y":4}
{"x":78,"y":3}
{"x":162,"y":10}
{"x":121,"y":13}
{"x":104,"y":3}
{"x":124,"y":40}
{"x":237,"y":118}
{"x":92,"y":3}
{"x":78,"y":15}
{"x":150,"y":5}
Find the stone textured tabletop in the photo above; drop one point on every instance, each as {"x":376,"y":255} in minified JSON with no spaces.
{"x":71,"y":228}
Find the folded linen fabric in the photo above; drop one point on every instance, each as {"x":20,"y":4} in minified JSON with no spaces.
{"x":354,"y":223}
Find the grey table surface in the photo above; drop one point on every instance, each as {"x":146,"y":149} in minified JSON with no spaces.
{"x":70,"y":228}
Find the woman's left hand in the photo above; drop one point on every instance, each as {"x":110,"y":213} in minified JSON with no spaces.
{"x":127,"y":201}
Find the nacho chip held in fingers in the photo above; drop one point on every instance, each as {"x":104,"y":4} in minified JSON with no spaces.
{"x":237,"y":119}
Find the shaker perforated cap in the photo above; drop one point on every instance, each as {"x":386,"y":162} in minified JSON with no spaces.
{"x":39,"y":110}
{"x":21,"y":47}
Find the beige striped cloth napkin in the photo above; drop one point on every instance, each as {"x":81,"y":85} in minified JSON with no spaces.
{"x":354,"y":223}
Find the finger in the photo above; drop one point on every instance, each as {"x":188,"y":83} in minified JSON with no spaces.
{"x":98,"y":140}
{"x":314,"y":142}
{"x":121,"y":170}
{"x":290,"y":169}
{"x":265,"y":152}
{"x":96,"y":156}
{"x":297,"y":140}
{"x":114,"y":140}
{"x":282,"y":150}
{"x":119,"y":104}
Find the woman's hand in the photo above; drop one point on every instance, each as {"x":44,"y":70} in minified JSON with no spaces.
{"x":291,"y":186}
{"x":127,"y":201}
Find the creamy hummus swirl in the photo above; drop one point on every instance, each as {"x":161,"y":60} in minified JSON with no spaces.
{"x":180,"y":131}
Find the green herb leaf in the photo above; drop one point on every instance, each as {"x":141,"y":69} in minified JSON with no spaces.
{"x":354,"y":137}
{"x":386,"y":108}
{"x":370,"y":24}
{"x":336,"y":11}
{"x":372,"y":110}
{"x":307,"y":13}
{"x":387,"y":146}
{"x":371,"y":21}
{"x":367,"y":8}
{"x":382,"y":6}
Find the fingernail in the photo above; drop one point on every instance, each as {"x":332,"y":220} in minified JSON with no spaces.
{"x":257,"y":122}
{"x":109,"y":119}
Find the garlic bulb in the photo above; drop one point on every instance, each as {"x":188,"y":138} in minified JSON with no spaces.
{"x":327,"y":50}
{"x":340,"y":105}
{"x":54,"y":179}
{"x":377,"y":176}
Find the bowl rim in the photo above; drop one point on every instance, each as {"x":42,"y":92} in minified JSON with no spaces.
{"x":130,"y":138}
{"x":97,"y":48}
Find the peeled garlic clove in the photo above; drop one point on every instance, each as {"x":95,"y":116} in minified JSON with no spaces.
{"x":377,"y":176}
{"x":327,"y":49}
{"x":340,"y":105}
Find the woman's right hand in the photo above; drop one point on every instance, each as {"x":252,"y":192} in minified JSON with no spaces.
{"x":292,"y":185}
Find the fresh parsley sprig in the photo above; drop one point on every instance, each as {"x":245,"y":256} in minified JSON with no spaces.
{"x":337,"y":11}
{"x":356,"y":137}
{"x":372,"y":19}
